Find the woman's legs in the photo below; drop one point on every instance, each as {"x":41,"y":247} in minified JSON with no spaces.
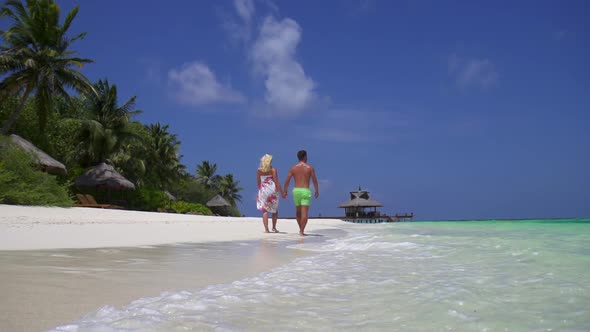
{"x":265,"y":221}
{"x":275,"y":216}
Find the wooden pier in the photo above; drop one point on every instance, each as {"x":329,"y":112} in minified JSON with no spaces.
{"x":382,"y":218}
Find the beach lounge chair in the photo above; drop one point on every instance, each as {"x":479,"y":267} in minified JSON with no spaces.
{"x":89,"y":201}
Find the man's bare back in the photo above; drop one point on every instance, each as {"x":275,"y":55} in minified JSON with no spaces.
{"x":302,"y":173}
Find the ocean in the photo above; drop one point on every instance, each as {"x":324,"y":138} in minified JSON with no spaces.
{"x":527,"y":275}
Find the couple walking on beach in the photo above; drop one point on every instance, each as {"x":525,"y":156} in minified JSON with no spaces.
{"x":269,"y":188}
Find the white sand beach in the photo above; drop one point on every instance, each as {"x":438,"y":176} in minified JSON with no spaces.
{"x":58,"y":264}
{"x":33,"y":228}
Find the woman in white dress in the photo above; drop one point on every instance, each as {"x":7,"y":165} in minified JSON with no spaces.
{"x":269,"y":190}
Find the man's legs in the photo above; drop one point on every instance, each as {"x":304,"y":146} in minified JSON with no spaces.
{"x":304,"y":213}
{"x":298,"y":216}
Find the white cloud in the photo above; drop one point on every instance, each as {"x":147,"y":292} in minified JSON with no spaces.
{"x":271,"y":47}
{"x":195,"y":84}
{"x":472,"y":72}
{"x":245,"y":9}
{"x":239,"y":26}
{"x":288,"y":89}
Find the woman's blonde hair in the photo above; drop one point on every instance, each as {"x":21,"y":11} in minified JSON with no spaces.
{"x":265,"y":162}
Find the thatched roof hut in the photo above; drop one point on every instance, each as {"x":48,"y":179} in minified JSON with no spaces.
{"x":45,"y":161}
{"x":360,"y":202}
{"x":359,"y":193}
{"x":217,"y":201}
{"x":104,"y":176}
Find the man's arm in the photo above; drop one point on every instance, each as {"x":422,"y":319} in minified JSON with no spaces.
{"x":315,"y":183}
{"x":286,"y":186}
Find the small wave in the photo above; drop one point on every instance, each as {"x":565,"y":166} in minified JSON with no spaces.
{"x":62,"y":255}
{"x":357,"y":243}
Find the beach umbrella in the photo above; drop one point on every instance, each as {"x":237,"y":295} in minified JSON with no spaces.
{"x":44,"y":160}
{"x":104,"y":176}
{"x":217,"y":201}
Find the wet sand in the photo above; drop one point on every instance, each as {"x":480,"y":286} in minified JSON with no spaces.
{"x":43,"y":289}
{"x":112,"y":257}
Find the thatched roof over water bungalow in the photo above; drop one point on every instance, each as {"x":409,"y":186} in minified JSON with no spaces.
{"x":360,"y":202}
{"x":47,"y":163}
{"x":217,"y":201}
{"x":104,"y":176}
{"x":359,"y":194}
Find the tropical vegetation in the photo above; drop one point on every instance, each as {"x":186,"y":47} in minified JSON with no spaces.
{"x":22,"y":184}
{"x":46,"y":99}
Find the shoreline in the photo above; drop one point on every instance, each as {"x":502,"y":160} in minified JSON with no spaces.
{"x":45,"y":289}
{"x":59,"y":264}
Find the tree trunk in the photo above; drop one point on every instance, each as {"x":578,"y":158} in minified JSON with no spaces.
{"x":10,"y":122}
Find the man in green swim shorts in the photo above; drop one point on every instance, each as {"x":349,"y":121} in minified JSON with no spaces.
{"x":302,"y":172}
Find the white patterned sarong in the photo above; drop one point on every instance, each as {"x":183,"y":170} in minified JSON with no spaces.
{"x":267,"y":199}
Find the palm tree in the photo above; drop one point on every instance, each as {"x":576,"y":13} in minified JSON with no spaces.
{"x":163,"y":159}
{"x":206,"y":174}
{"x":108,"y":128}
{"x":36,"y":57}
{"x":230,"y":189}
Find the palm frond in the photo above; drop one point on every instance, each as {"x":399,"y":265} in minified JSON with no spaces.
{"x":69,"y":18}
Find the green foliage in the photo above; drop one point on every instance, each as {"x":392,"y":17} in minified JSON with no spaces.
{"x":131,"y":158}
{"x":185,"y":207}
{"x":230,"y":189}
{"x":38,"y":70}
{"x":233,"y":211}
{"x":206,"y":174}
{"x":60,"y":137}
{"x":107,"y":129}
{"x":21,"y":183}
{"x":162,"y":158}
{"x":148,"y":199}
{"x":36,"y":57}
{"x":191,"y":190}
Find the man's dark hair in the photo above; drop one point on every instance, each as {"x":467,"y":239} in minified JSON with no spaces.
{"x":301,"y":154}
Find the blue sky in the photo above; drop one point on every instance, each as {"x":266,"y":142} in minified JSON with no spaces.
{"x":449,"y":109}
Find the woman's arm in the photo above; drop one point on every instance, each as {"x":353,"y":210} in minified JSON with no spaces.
{"x":286,"y":186}
{"x":275,"y":175}
{"x":258,"y":179}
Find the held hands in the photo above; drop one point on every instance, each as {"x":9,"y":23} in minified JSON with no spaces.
{"x":281,"y":193}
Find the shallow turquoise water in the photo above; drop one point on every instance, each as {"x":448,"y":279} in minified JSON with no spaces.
{"x":415,"y":276}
